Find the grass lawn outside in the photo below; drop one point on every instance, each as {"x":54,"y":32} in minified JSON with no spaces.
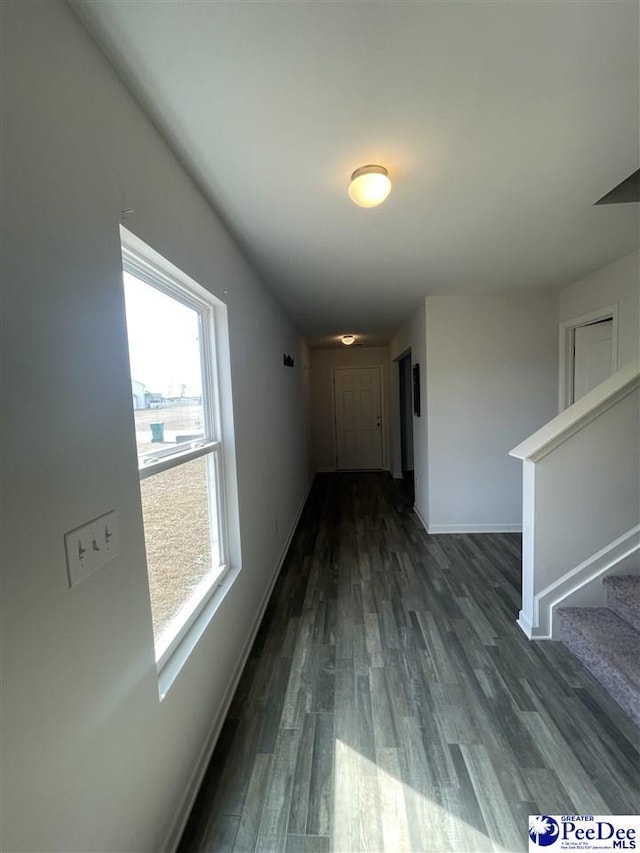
{"x":177,"y":531}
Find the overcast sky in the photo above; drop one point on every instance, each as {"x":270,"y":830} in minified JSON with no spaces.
{"x":164,"y":351}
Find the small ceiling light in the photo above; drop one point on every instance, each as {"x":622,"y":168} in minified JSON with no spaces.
{"x":369,"y":186}
{"x":347,"y":340}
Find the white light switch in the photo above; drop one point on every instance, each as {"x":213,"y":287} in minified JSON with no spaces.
{"x":91,"y":546}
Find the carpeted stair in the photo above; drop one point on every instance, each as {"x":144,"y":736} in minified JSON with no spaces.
{"x":607,"y":640}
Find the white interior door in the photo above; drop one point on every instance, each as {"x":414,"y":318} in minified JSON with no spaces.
{"x":593,"y":356}
{"x":358,"y":418}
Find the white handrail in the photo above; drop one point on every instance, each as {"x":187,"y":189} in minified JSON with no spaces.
{"x":575,"y":417}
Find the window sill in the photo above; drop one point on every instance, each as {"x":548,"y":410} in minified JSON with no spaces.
{"x":170,"y":664}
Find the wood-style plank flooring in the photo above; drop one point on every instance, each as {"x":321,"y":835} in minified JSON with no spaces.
{"x":391,"y":703}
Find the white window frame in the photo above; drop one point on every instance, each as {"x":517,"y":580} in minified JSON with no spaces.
{"x":148,"y":266}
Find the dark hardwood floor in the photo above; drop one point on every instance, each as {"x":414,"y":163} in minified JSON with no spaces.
{"x":391,"y":703}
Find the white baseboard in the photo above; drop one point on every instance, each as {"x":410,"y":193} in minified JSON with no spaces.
{"x":422,"y":521}
{"x":193,"y":786}
{"x":576,"y":581}
{"x":475,"y":528}
{"x":467,"y":528}
{"x":524,"y":624}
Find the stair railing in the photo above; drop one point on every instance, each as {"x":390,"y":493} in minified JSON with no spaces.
{"x":581,"y":497}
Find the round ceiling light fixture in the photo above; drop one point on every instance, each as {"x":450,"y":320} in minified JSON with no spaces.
{"x":369,"y":186}
{"x":347,"y":340}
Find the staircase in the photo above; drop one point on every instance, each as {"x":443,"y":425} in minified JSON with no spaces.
{"x":607,"y":640}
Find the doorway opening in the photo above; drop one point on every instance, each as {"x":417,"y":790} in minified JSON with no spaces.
{"x":406,"y":422}
{"x":588,"y":353}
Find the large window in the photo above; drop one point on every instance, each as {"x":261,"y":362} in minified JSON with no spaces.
{"x":174,"y":389}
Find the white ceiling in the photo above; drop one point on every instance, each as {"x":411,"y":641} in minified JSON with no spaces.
{"x":501,"y":123}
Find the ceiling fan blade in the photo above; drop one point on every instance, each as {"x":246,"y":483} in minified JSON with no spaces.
{"x":625,"y":192}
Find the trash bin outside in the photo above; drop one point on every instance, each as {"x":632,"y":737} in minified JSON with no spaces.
{"x":157,"y":432}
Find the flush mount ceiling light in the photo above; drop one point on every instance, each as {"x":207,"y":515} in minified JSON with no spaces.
{"x":347,"y":340}
{"x":369,"y":186}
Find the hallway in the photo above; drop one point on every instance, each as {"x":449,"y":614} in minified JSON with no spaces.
{"x":390,"y":702}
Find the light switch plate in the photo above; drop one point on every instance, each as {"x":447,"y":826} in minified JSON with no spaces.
{"x":90,"y":547}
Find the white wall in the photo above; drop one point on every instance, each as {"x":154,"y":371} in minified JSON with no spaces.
{"x":491,"y":381}
{"x":619,"y":283}
{"x":323,"y":361}
{"x":587,"y":491}
{"x":305,"y":364}
{"x":90,"y":759}
{"x":412,"y":337}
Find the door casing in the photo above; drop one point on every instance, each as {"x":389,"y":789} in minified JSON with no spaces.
{"x":567,"y":338}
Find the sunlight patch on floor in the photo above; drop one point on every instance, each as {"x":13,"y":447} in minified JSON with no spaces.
{"x":375,"y":811}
